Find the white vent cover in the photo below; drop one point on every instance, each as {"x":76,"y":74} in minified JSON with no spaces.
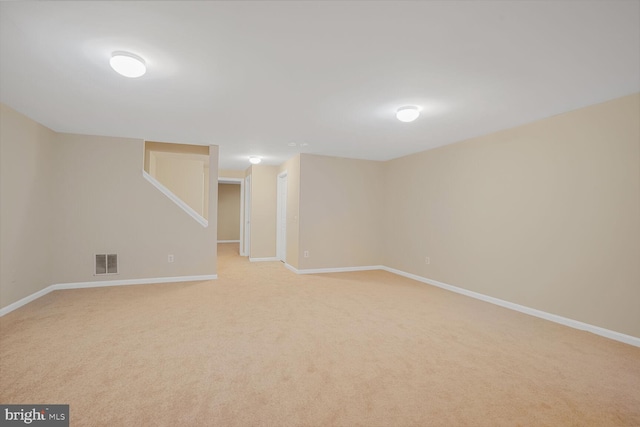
{"x":106,"y":264}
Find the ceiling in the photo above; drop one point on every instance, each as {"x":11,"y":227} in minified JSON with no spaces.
{"x":253,"y":77}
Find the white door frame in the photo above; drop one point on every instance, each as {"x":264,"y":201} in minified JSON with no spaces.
{"x":281,"y":218}
{"x":240,"y":181}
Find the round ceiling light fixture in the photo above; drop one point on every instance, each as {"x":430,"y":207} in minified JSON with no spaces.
{"x":254,"y":160}
{"x":128,"y":64}
{"x":407,"y":114}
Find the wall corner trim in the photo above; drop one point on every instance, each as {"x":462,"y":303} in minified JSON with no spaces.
{"x":617,"y":336}
{"x":102,"y":283}
{"x":175,"y":199}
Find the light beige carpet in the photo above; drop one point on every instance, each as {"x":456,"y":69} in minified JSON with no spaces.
{"x":263,"y":347}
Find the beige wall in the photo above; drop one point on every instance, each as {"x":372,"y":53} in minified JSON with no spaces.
{"x":263,"y":211}
{"x":341,"y":205}
{"x":546,"y":215}
{"x":25,"y":210}
{"x":168,"y":147}
{"x":105,"y":205}
{"x":292,"y":167}
{"x":66,"y":197}
{"x":228,"y":211}
{"x":185,"y":176}
{"x":230,"y":173}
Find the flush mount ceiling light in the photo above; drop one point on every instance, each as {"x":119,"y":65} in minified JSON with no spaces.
{"x":128,"y":64}
{"x":407,"y":114}
{"x":254,"y":160}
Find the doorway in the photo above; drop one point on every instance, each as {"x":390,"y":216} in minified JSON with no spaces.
{"x":231,"y":211}
{"x":245,"y":246}
{"x":281,"y":218}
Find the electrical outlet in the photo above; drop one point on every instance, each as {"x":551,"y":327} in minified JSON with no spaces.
{"x":170,"y":258}
{"x":427,"y":260}
{"x":306,"y":254}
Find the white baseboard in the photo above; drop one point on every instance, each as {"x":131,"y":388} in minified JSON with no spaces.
{"x":25,"y":300}
{"x":126,"y":282}
{"x":617,"y":336}
{"x":228,"y":241}
{"x":263,"y":259}
{"x":102,"y":283}
{"x":333,"y":270}
{"x":292,"y":268}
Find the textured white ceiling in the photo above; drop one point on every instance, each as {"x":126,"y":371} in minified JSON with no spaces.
{"x":253,"y":77}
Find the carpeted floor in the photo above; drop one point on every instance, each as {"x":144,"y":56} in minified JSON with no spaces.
{"x":261,"y":346}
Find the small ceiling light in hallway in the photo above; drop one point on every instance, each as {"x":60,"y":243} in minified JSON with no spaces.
{"x":254,"y":160}
{"x":128,"y":64}
{"x":407,"y":114}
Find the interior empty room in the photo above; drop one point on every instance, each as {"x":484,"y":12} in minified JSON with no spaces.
{"x":320,"y":213}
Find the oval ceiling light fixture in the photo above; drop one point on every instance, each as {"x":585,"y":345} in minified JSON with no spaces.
{"x":254,"y":160}
{"x":128,"y":64}
{"x":407,"y":114}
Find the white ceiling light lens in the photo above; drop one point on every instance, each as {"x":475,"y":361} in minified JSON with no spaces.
{"x":128,"y":64}
{"x":254,"y":160}
{"x":407,"y":114}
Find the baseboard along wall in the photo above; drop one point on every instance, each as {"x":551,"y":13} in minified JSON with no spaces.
{"x":333,"y":270}
{"x":607,"y":333}
{"x":102,"y":283}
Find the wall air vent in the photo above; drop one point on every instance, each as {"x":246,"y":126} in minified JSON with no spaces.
{"x":106,"y":264}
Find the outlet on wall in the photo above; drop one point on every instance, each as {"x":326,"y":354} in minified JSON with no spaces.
{"x":170,"y":258}
{"x":427,"y":260}
{"x":306,"y":254}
